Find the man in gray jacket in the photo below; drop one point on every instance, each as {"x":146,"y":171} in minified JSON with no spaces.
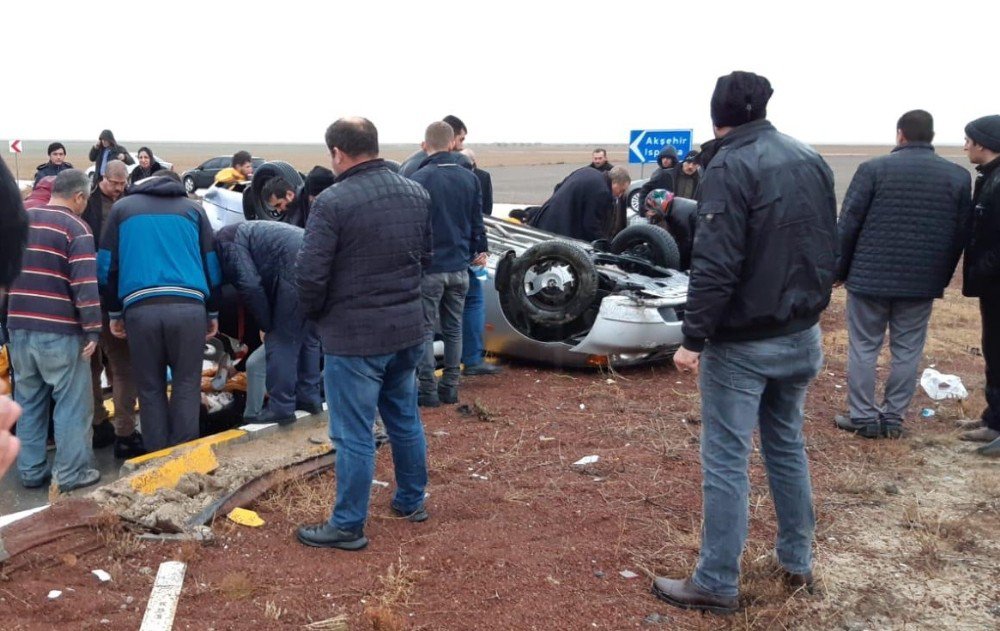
{"x":901,"y":231}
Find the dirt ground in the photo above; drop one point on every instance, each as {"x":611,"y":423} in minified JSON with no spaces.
{"x":519,"y":538}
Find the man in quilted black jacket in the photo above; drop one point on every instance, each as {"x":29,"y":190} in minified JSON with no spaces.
{"x":367,"y":244}
{"x":902,"y":228}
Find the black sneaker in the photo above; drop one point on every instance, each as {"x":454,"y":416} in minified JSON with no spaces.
{"x":104,"y":435}
{"x":312,"y":408}
{"x":448,"y":394}
{"x":879,"y":428}
{"x":416,"y":516}
{"x":326,"y":536}
{"x":481,"y":369}
{"x":270,"y":417}
{"x":87,"y":477}
{"x":129,"y":446}
{"x":428,"y":401}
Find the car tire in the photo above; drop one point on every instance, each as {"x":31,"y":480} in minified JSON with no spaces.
{"x":649,"y":242}
{"x":635,"y":200}
{"x":537,"y":265}
{"x":256,"y":208}
{"x":189,"y":187}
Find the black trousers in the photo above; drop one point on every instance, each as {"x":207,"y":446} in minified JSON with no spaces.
{"x":989,"y":310}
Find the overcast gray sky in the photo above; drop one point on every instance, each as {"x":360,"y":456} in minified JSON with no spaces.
{"x":514,"y":70}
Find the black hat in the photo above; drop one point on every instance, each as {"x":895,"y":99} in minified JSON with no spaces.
{"x":318,"y":180}
{"x":985,"y":131}
{"x":740,"y":97}
{"x":55,"y":146}
{"x":692,"y":156}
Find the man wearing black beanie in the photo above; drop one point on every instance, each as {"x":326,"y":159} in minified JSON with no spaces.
{"x":981,"y":272}
{"x":762,"y":270}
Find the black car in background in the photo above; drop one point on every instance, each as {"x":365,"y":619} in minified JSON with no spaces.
{"x":203,"y":175}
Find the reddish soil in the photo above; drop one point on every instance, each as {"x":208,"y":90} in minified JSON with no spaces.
{"x":518,"y":537}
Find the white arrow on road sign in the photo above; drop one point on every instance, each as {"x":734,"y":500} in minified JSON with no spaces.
{"x":634,"y":147}
{"x":14,"y":146}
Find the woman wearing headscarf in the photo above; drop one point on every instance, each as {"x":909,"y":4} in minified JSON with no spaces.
{"x":146,"y":168}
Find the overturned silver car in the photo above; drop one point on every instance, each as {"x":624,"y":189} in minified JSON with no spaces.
{"x":552,"y":299}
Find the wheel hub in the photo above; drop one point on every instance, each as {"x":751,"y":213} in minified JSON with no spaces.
{"x":549,"y":283}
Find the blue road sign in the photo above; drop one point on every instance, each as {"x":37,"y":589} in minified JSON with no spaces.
{"x":645,"y":144}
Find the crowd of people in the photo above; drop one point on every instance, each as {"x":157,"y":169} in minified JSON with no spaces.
{"x":379,"y":257}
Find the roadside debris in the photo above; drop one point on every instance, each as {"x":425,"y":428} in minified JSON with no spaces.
{"x":582,"y":462}
{"x":102,"y":575}
{"x":940,"y":387}
{"x":163,"y":599}
{"x":245,"y":517}
{"x":927,"y":413}
{"x":55,"y":593}
{"x":628,"y":574}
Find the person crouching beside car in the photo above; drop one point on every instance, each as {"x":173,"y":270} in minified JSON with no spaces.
{"x":258,"y":258}
{"x":677,"y":216}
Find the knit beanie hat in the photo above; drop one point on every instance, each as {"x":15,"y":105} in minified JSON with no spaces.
{"x":985,"y":131}
{"x":740,"y":97}
{"x":318,"y":180}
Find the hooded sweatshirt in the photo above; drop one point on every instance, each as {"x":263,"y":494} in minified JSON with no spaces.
{"x":158,"y":243}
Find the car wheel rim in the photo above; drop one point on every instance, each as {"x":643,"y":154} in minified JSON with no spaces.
{"x":633,"y":202}
{"x":550,"y":284}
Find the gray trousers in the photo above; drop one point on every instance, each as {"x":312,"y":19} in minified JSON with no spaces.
{"x":161,"y":335}
{"x":867,"y":319}
{"x":443,"y":296}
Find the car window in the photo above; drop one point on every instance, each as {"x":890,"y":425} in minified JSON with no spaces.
{"x":219,"y":163}
{"x":257,"y":162}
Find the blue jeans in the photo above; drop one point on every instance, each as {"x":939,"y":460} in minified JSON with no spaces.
{"x":256,"y":368}
{"x":443,"y":296}
{"x":50,"y":365}
{"x":473,"y":323}
{"x":293,"y":376}
{"x":355,"y":387}
{"x":745,"y":384}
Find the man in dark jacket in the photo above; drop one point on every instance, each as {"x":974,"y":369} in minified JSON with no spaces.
{"x":599,"y":160}
{"x":112,"y":350}
{"x":678,"y":216}
{"x":459,"y":241}
{"x":582,"y":207}
{"x":13,"y":227}
{"x":415,"y":161}
{"x":292,"y":204}
{"x":358,"y":274}
{"x":663,"y":176}
{"x":258,"y":258}
{"x":56,"y":164}
{"x":686,"y":176}
{"x":474,"y":314}
{"x":981,"y":269}
{"x":160,"y":277}
{"x":761,"y":274}
{"x":902,"y":229}
{"x":106,"y":150}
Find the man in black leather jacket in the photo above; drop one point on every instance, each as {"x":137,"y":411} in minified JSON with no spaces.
{"x":761,"y":274}
{"x":981,"y":271}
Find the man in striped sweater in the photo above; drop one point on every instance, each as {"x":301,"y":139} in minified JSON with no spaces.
{"x":54,"y":318}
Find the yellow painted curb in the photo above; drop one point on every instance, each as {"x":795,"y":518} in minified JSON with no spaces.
{"x":201,"y":459}
{"x":214,"y":439}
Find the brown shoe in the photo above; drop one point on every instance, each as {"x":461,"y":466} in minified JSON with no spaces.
{"x":969,"y":423}
{"x":686,"y":595}
{"x":981,"y":435}
{"x":798,"y":582}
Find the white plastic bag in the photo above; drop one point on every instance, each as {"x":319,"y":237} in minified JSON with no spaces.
{"x":940,"y":387}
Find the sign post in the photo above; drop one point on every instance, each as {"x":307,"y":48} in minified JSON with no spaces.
{"x":14,"y":146}
{"x":645,"y":144}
